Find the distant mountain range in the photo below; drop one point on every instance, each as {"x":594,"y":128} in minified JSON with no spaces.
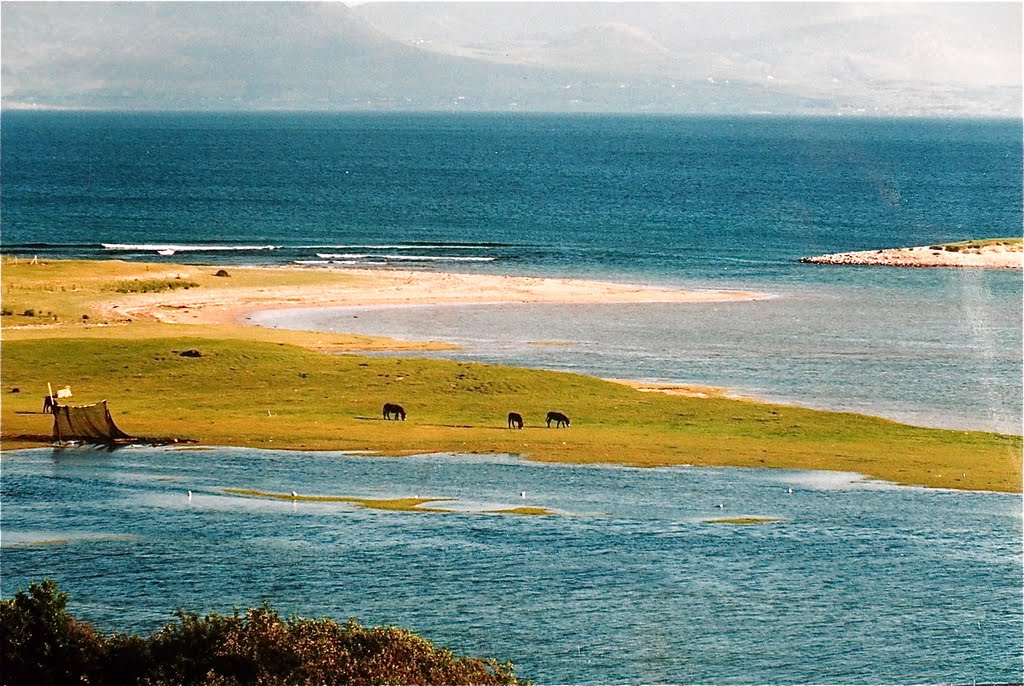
{"x":576,"y":57}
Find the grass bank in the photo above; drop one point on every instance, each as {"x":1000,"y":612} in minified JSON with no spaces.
{"x":279,"y":395}
{"x":389,"y":504}
{"x":977,"y":244}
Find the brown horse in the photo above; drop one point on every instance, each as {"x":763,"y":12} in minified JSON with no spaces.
{"x":394,"y":411}
{"x":515,"y":420}
{"x":558,"y":418}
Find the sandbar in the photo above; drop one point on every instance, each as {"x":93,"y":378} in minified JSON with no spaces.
{"x":368,"y":287}
{"x":684,"y":389}
{"x":989,"y":256}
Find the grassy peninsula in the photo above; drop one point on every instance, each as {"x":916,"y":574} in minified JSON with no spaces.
{"x":274,"y":389}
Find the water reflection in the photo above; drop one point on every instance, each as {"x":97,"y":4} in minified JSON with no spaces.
{"x":630,"y":582}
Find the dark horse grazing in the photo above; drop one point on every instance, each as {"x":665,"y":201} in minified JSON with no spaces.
{"x":558,"y":418}
{"x":515,"y":420}
{"x":397,"y":411}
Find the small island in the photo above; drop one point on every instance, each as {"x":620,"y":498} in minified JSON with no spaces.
{"x":990,"y":253}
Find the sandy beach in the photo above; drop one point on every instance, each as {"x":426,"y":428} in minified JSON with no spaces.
{"x":986,"y":256}
{"x":374,"y":287}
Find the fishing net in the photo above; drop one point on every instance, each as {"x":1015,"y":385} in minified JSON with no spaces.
{"x":85,"y":422}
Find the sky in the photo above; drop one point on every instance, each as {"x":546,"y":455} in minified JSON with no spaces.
{"x":875,"y":58}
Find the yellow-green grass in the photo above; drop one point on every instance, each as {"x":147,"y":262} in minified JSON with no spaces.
{"x":392,"y":504}
{"x":743,"y":520}
{"x":65,"y":297}
{"x":50,"y":542}
{"x":975,"y":244}
{"x":46,"y":543}
{"x":527,"y":511}
{"x":254,"y":393}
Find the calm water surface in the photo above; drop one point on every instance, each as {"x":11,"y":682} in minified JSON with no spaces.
{"x":675,"y":201}
{"x":942,"y":350}
{"x":857,"y":582}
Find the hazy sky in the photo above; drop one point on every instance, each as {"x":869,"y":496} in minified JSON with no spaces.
{"x":885,"y":58}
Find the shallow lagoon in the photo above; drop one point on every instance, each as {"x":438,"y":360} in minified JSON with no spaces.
{"x":935,"y":348}
{"x":858,"y":581}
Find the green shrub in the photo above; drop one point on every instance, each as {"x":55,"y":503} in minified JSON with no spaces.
{"x":153,"y":285}
{"x":41,"y":644}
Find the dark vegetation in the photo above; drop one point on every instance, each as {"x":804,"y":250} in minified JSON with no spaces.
{"x":42,"y":645}
{"x":153,"y":285}
{"x":976,"y":244}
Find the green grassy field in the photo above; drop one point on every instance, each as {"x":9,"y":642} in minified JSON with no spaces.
{"x":277,"y":395}
{"x":270,"y":388}
{"x":391,"y":504}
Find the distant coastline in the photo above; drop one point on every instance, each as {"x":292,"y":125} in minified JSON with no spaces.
{"x":993,"y":253}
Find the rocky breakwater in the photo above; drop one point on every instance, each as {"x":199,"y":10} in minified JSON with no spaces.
{"x":996,"y":254}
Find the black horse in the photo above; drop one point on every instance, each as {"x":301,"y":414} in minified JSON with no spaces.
{"x":392,"y":411}
{"x":49,"y":402}
{"x":558,"y":418}
{"x":515,"y":420}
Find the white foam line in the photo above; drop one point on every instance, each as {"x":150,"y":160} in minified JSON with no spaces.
{"x":183,"y":248}
{"x":402,"y":258}
{"x":438,"y":258}
{"x":438,"y":246}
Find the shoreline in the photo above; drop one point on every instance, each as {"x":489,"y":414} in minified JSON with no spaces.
{"x":988,"y":254}
{"x":284,"y":393}
{"x":404,"y":504}
{"x":369,"y":288}
{"x":689,"y":390}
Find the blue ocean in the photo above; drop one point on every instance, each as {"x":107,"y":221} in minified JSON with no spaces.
{"x":672,"y":201}
{"x":851,"y":582}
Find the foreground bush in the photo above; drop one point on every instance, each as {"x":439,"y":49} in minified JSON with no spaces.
{"x":41,"y":645}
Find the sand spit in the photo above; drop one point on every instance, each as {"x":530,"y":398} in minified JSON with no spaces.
{"x":685,"y":390}
{"x":997,"y":256}
{"x":372,"y":287}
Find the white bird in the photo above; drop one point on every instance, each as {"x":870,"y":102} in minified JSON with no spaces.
{"x":720,"y":505}
{"x":190,"y":496}
{"x":522,"y":494}
{"x":790,"y":490}
{"x":294,"y":494}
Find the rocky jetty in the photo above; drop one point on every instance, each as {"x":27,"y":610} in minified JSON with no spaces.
{"x":992,"y":255}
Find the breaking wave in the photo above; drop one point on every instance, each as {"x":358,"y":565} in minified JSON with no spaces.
{"x":171,"y":249}
{"x":403,"y":258}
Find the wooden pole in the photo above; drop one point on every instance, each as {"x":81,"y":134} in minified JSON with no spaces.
{"x":53,"y":409}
